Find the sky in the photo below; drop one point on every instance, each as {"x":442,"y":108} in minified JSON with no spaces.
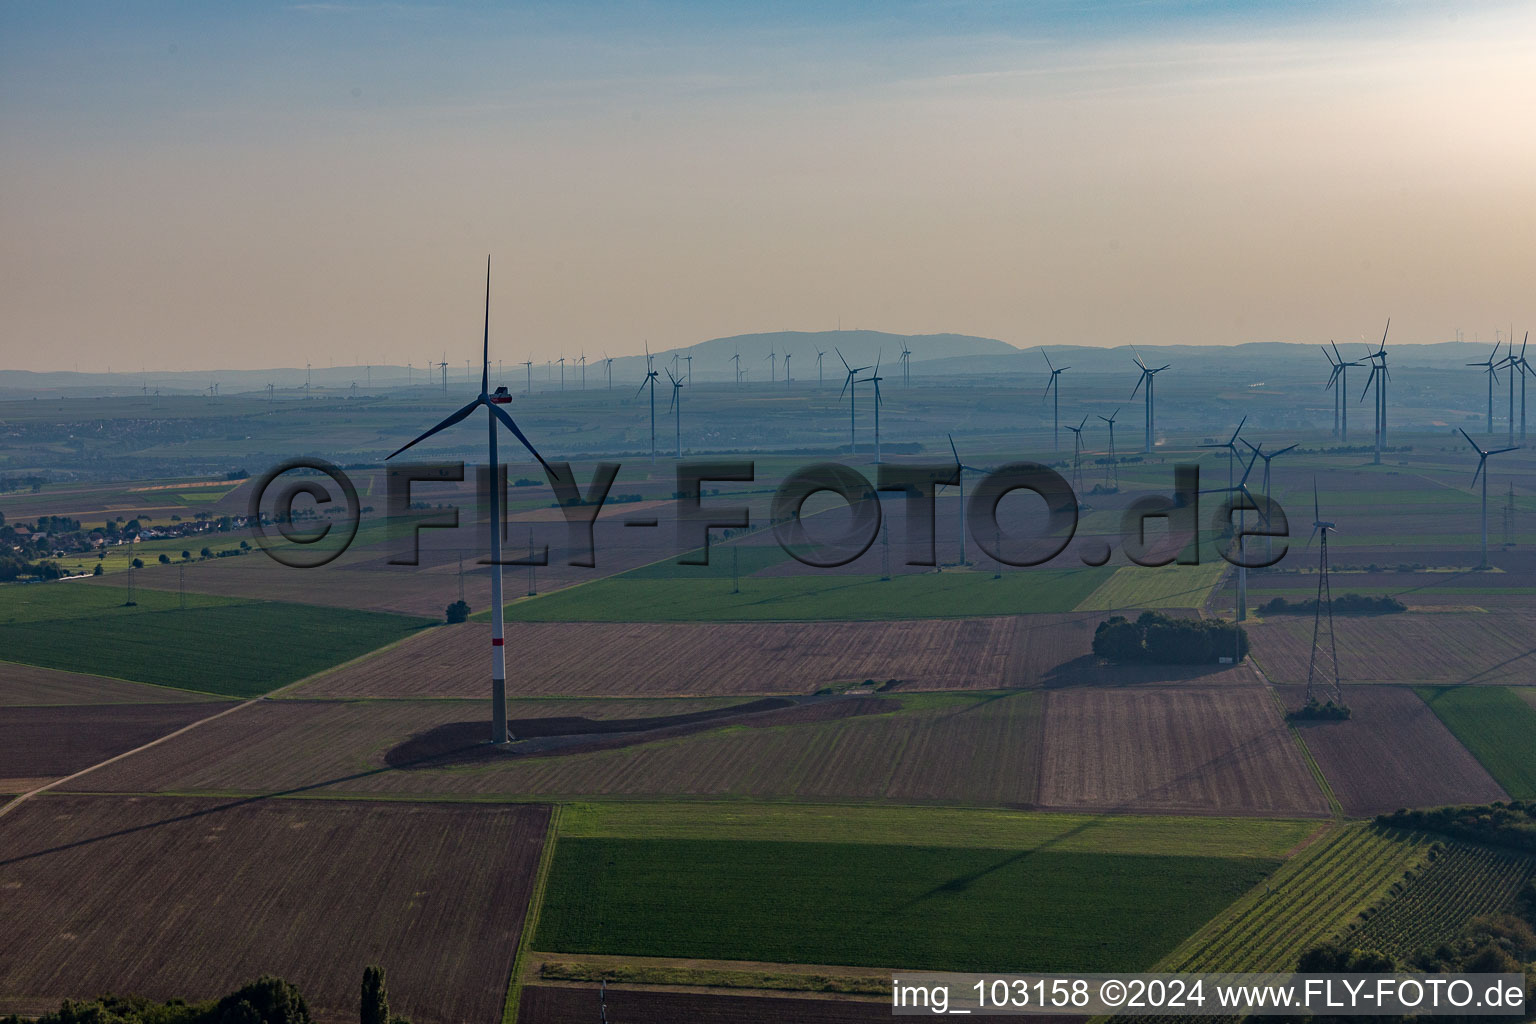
{"x":207,"y":186}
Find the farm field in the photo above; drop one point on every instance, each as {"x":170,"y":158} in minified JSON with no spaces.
{"x":564,"y":1004}
{"x":665,"y":659}
{"x":978,"y":749}
{"x":948,"y":594}
{"x":1392,"y":752}
{"x":205,"y":647}
{"x":873,"y":905}
{"x":1425,"y":648}
{"x":1313,"y":898}
{"x":1497,"y":727}
{"x":939,"y":826}
{"x":1462,"y":882}
{"x":137,"y":895}
{"x":42,"y":743}
{"x":1176,"y":750}
{"x":28,"y":685}
{"x":1162,"y":587}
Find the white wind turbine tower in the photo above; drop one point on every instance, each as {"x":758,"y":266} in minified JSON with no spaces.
{"x":1149,"y":378}
{"x":650,"y":379}
{"x":1269,"y":506}
{"x":875,"y":379}
{"x":1493,"y":376}
{"x":1113,"y":470}
{"x":773,"y":365}
{"x":786,"y":369}
{"x":1077,"y":454}
{"x":1379,"y":376}
{"x":960,"y":469}
{"x":1338,"y":382}
{"x":1240,"y":613}
{"x":1054,"y":384}
{"x":819,"y":381}
{"x":906,"y":365}
{"x":677,"y":406}
{"x":1482,"y":463}
{"x":492,"y":403}
{"x":849,"y":389}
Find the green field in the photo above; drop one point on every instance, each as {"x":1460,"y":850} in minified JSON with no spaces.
{"x":938,"y":826}
{"x":215,"y":645}
{"x":1497,"y":726}
{"x":1166,"y":586}
{"x":809,"y":597}
{"x":860,"y":904}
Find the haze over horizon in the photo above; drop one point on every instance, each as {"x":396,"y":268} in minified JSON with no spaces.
{"x":248,"y":187}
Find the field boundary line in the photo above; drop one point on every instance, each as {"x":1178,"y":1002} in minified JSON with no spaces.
{"x":315,"y":676}
{"x":512,"y":1003}
{"x":20,"y":798}
{"x":117,"y":679}
{"x":1334,"y":806}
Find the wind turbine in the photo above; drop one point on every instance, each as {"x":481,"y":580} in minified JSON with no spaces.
{"x":1524,"y":369}
{"x":1379,"y":376}
{"x":737,"y":359}
{"x":1149,"y":378}
{"x":875,"y":379}
{"x":650,"y":378}
{"x":819,"y":354}
{"x":1077,"y":453}
{"x":1114,"y":462}
{"x":1269,"y":507}
{"x":773,"y":365}
{"x":960,"y":475}
{"x":1054,"y":385}
{"x":583,"y":371}
{"x":1340,"y":377}
{"x":1230,"y":444}
{"x":443,"y":366}
{"x":849,"y":389}
{"x":1241,"y":611}
{"x":786,"y":369}
{"x":906,"y":365}
{"x":1322,"y":527}
{"x":492,"y":403}
{"x":689,"y":361}
{"x":528,"y":365}
{"x":1493,"y":376}
{"x":561,"y":361}
{"x":1482,"y":462}
{"x":608,"y":365}
{"x":677,"y":404}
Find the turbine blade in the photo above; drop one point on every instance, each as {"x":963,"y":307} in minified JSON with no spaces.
{"x":506,"y":418}
{"x":485,"y":365}
{"x":953,"y":450}
{"x":450,"y":421}
{"x":1501,"y":451}
{"x":1287,"y":448}
{"x":1047,"y":359}
{"x":1470,"y":441}
{"x":1479,"y":471}
{"x":840,"y":356}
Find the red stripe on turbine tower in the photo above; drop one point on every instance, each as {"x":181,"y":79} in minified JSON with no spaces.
{"x":497,"y":641}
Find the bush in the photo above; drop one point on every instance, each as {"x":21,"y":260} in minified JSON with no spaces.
{"x":458,"y":612}
{"x":165,"y":559}
{"x":1161,"y":640}
{"x":1348,"y":604}
{"x":1315,"y":712}
{"x":138,"y":563}
{"x":1511,"y":824}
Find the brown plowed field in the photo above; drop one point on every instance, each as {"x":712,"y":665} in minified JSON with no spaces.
{"x":1393,"y":752}
{"x":1196,"y":750}
{"x":22,"y":685}
{"x":42,"y":743}
{"x":680,"y":659}
{"x":1417,"y":648}
{"x":970,"y":751}
{"x":192,"y":898}
{"x":568,"y":1004}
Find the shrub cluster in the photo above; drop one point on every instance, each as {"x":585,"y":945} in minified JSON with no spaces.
{"x":1161,"y":640}
{"x":1312,"y":711}
{"x":1348,"y":604}
{"x":1510,"y":824}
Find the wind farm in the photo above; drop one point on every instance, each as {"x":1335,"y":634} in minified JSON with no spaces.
{"x":335,"y":687}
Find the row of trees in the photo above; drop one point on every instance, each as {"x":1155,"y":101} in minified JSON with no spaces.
{"x":1348,"y":604}
{"x":1161,"y":640}
{"x":267,"y":1000}
{"x":1511,"y":824}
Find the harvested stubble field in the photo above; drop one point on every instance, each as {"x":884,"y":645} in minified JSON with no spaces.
{"x":192,"y":898}
{"x":29,"y":685}
{"x":569,"y":1004}
{"x":970,"y":749}
{"x":42,"y":743}
{"x":1392,"y":752}
{"x":682,"y":659}
{"x":1313,"y":898}
{"x":861,"y":904}
{"x":1441,"y":648}
{"x":1160,"y":588}
{"x":1199,"y":750}
{"x":1497,"y":727}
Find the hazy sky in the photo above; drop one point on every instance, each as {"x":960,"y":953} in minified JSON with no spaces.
{"x":190,"y":185}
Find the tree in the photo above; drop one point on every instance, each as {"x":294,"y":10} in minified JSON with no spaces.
{"x":138,"y":563}
{"x":165,"y":559}
{"x":186,"y":556}
{"x":375,"y":1003}
{"x":458,"y":612}
{"x":96,"y":571}
{"x":207,"y":552}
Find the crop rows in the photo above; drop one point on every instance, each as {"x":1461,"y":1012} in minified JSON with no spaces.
{"x":1460,"y":883}
{"x":1307,"y":902}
